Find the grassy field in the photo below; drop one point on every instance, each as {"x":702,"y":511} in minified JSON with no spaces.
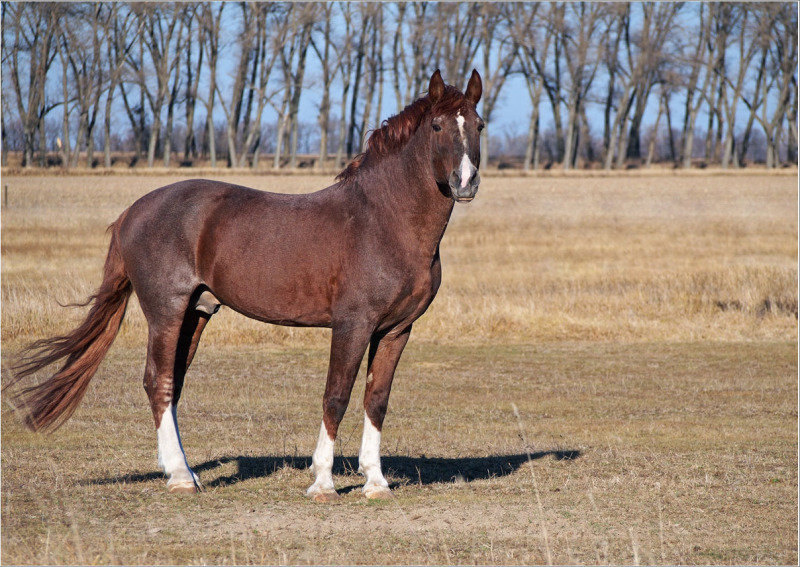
{"x":645,"y":328}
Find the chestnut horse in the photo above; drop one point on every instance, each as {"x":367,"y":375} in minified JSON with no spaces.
{"x":360,"y":257}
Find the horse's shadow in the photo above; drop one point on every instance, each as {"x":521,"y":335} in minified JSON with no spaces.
{"x":406,"y":470}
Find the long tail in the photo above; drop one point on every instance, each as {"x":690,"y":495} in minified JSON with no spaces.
{"x":49,"y":404}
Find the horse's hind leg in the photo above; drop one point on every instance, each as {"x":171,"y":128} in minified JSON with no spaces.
{"x":193,"y":324}
{"x":170,"y":349}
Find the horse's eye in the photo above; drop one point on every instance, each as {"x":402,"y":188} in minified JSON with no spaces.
{"x":481,"y":124}
{"x":437,"y":127}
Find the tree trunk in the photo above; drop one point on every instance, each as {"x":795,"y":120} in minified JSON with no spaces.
{"x":192,"y":80}
{"x":210,"y":131}
{"x":651,"y":147}
{"x":107,"y":125}
{"x":618,"y":127}
{"x":672,"y":154}
{"x":323,"y":119}
{"x":340,"y":146}
{"x":167,"y":143}
{"x":532,"y":142}
{"x":42,"y":143}
{"x":586,"y":139}
{"x":65,"y":143}
{"x":155,"y":130}
{"x":3,"y":142}
{"x":89,"y":144}
{"x":351,"y":131}
{"x":569,"y":138}
{"x":283,"y":123}
{"x":297,"y":90}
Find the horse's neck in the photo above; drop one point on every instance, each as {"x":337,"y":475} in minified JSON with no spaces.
{"x":406,"y":193}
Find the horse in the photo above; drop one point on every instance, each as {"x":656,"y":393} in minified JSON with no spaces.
{"x":360,"y":257}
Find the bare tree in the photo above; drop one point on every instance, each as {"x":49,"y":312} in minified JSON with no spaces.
{"x":67,"y":101}
{"x":295,"y":39}
{"x":345,"y":59}
{"x":32,"y":29}
{"x":547,"y":65}
{"x":366,"y":23}
{"x":499,"y":52}
{"x":694,"y":55}
{"x":373,"y":64}
{"x":723,"y":21}
{"x":616,"y":26}
{"x":211,"y":20}
{"x":582,"y":62}
{"x":747,"y":47}
{"x":306,"y":17}
{"x":134,"y":75}
{"x":734,"y":66}
{"x":783,"y":60}
{"x":232,"y":107}
{"x":324,"y":55}
{"x":791,"y":120}
{"x":248,"y":95}
{"x":267,"y":54}
{"x":194,"y":37}
{"x":534,"y":43}
{"x":163,"y":32}
{"x":118,"y":40}
{"x":653,"y":55}
{"x":458,"y":42}
{"x":413,"y":47}
{"x":663,"y":101}
{"x":643,"y":59}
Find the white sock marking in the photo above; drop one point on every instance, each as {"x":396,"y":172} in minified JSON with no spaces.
{"x":322,"y":463}
{"x":171,"y":457}
{"x":369,"y":458}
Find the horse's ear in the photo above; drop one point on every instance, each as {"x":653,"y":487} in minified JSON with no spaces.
{"x":474,"y":88}
{"x":436,"y":88}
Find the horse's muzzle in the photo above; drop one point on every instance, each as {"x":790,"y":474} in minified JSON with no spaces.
{"x":464,"y":192}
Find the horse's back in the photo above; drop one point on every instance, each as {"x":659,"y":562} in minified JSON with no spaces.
{"x":243,"y":244}
{"x":184,"y":210}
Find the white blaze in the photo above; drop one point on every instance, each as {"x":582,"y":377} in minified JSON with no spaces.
{"x":322,"y":463}
{"x":466,"y":163}
{"x":369,"y":459}
{"x":460,"y":121}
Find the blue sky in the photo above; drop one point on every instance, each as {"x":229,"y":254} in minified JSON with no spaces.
{"x":511,"y":113}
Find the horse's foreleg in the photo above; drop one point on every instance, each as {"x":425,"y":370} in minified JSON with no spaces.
{"x":347,"y":350}
{"x":384,"y":353}
{"x":169,"y":351}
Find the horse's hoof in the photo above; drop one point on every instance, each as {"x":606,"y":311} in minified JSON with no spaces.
{"x":378,"y":493}
{"x":183,"y":488}
{"x":325,"y":496}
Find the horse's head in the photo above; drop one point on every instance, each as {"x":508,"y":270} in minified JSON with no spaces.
{"x":455,"y":133}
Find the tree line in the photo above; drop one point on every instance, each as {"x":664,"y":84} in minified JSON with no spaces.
{"x":190,"y":81}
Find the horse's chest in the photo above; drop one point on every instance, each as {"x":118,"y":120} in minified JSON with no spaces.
{"x":415,"y":295}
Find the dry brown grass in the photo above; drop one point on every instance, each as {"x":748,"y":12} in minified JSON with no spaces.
{"x":645,"y":327}
{"x":688,"y":450}
{"x":632,"y":259}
